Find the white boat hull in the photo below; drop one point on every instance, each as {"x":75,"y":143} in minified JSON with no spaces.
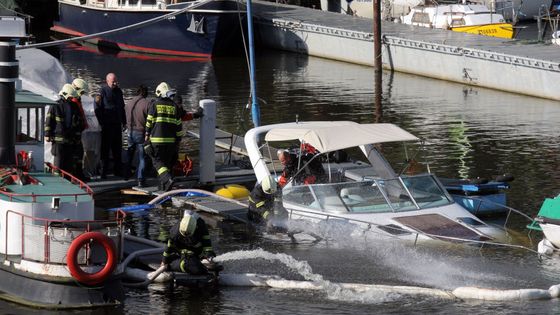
{"x":524,"y":10}
{"x":552,"y":233}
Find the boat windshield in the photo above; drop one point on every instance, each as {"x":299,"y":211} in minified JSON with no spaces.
{"x":371,"y":195}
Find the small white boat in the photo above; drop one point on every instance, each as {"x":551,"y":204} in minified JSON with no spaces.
{"x":371,"y":195}
{"x":548,"y":221}
{"x":466,"y":18}
{"x":512,"y":10}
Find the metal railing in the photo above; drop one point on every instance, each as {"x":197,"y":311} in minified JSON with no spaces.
{"x":366,"y":226}
{"x":38,"y":228}
{"x":54,"y":170}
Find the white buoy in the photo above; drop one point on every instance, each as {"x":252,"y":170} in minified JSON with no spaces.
{"x":208,"y":142}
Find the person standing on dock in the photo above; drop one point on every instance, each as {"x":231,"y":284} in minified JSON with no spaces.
{"x":188,"y":243}
{"x":163,"y":134}
{"x":109,"y":109}
{"x":136,"y":111}
{"x":77,"y":151}
{"x":63,"y":126}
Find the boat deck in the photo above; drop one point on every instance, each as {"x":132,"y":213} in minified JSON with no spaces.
{"x":52,"y":186}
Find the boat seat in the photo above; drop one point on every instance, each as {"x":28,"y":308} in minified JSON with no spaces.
{"x":330,"y":204}
{"x":350,"y":193}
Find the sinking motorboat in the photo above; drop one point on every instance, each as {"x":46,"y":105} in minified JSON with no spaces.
{"x":413,"y":207}
{"x":462,"y":17}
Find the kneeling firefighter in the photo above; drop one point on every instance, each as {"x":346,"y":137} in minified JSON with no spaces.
{"x":188,"y":243}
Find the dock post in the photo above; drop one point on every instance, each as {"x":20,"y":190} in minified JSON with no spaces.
{"x":9,"y":73}
{"x":377,"y":62}
{"x":208,"y":142}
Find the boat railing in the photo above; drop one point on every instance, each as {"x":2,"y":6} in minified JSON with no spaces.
{"x":394,"y":231}
{"x":479,"y":203}
{"x":50,"y":168}
{"x":73,"y":179}
{"x":48,"y":240}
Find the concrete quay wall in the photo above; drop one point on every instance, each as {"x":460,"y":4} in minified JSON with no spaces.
{"x":458,"y":57}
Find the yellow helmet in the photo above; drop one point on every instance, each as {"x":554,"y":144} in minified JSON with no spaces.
{"x":268,"y":185}
{"x":163,"y":90}
{"x":81,"y":86}
{"x":188,"y":223}
{"x":67,"y":91}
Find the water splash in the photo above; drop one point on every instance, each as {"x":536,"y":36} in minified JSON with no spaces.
{"x":429,"y":266}
{"x":333,"y":291}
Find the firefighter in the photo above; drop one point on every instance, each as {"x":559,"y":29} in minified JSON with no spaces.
{"x":63,"y":128}
{"x":163,"y":134}
{"x":261,"y":201}
{"x":311,"y":173}
{"x":77,"y":151}
{"x":188,"y":243}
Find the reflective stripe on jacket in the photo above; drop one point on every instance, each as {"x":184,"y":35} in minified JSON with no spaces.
{"x":163,"y":123}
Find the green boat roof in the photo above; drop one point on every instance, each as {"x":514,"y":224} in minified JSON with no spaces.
{"x":24,"y":97}
{"x":550,"y":208}
{"x":53,"y":186}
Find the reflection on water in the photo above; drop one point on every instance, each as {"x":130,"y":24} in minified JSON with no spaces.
{"x":469,"y":132}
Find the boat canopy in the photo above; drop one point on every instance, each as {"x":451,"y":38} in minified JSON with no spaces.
{"x":336,"y":135}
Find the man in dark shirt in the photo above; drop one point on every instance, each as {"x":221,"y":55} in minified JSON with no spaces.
{"x":109,"y":110}
{"x":136,"y":112}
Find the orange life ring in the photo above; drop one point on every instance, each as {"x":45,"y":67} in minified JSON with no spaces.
{"x":72,"y":258}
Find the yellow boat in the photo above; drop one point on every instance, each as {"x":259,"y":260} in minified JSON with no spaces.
{"x":466,"y":18}
{"x":501,"y":30}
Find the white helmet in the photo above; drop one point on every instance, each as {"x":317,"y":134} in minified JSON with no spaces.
{"x":67,"y":91}
{"x":188,"y":223}
{"x":268,"y":185}
{"x":163,"y":90}
{"x":81,"y":86}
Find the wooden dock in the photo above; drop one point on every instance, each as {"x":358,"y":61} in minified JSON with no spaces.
{"x":496,"y":63}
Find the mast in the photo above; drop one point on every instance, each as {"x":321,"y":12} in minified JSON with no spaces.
{"x":255,"y":110}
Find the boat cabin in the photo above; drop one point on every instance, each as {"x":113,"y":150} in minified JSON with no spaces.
{"x":30,"y":125}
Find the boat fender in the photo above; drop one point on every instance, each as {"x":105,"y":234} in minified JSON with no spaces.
{"x":504,"y":178}
{"x":72,"y":258}
{"x":233,"y":191}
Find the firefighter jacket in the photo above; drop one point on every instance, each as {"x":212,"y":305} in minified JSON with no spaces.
{"x":163,"y":123}
{"x":198,"y":245}
{"x":261,"y":205}
{"x":64,"y":124}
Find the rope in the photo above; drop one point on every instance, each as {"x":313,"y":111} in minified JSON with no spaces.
{"x":116,"y":30}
